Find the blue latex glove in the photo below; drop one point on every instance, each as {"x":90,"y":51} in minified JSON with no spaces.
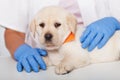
{"x":29,"y":58}
{"x":99,"y":32}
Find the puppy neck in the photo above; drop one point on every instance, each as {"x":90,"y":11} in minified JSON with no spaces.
{"x":70,"y":37}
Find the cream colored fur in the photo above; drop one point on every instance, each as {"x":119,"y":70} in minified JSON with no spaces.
{"x":69,"y":56}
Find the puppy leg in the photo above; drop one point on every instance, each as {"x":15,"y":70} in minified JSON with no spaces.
{"x":47,"y":61}
{"x":70,"y":63}
{"x":64,"y":67}
{"x":73,"y":58}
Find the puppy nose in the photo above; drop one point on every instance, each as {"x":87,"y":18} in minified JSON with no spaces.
{"x":48,"y":36}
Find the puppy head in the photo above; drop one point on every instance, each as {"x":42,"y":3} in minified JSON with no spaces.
{"x":51,"y":24}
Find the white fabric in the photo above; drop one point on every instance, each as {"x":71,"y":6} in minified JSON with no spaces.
{"x":92,"y":10}
{"x":101,"y":71}
{"x":16,"y":14}
{"x":73,"y":8}
{"x":3,"y":50}
{"x":13,"y":14}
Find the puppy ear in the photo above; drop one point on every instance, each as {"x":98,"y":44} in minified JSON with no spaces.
{"x":33,"y":27}
{"x":72,"y":22}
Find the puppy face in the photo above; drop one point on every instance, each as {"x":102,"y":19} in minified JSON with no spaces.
{"x":51,"y":24}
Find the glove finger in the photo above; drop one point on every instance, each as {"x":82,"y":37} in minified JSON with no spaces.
{"x":41,"y":52}
{"x":84,"y":35}
{"x":88,"y":40}
{"x":103,"y":42}
{"x":33,"y":63}
{"x":19,"y":67}
{"x":26,"y":65}
{"x":95,"y":42}
{"x":40,"y":62}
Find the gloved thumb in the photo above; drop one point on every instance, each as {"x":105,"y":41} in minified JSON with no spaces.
{"x":41,"y":52}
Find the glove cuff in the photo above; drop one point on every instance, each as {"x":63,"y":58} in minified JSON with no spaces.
{"x":116,"y":22}
{"x":20,"y":50}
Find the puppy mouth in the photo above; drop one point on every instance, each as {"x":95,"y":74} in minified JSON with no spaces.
{"x":51,"y":46}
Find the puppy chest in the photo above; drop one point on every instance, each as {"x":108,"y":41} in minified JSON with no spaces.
{"x":55,"y":58}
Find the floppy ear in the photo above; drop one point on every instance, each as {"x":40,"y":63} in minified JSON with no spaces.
{"x":72,"y":22}
{"x":33,"y":27}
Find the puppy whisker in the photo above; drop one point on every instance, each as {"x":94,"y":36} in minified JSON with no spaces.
{"x":37,"y":33}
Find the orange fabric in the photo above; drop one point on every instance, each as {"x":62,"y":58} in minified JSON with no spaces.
{"x":70,"y":37}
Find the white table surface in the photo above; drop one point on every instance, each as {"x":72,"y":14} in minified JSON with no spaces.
{"x":101,"y":71}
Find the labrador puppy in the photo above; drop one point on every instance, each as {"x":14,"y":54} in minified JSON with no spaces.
{"x":58,"y":33}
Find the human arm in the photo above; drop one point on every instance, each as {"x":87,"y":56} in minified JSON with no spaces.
{"x":27,"y":58}
{"x":13,"y":37}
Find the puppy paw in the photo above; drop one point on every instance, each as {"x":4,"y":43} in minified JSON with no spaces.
{"x":63,"y":68}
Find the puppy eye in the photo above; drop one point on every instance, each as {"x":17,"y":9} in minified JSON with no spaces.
{"x":57,"y":24}
{"x":42,"y":25}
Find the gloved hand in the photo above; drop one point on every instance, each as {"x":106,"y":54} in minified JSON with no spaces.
{"x":99,"y":32}
{"x":29,"y":58}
